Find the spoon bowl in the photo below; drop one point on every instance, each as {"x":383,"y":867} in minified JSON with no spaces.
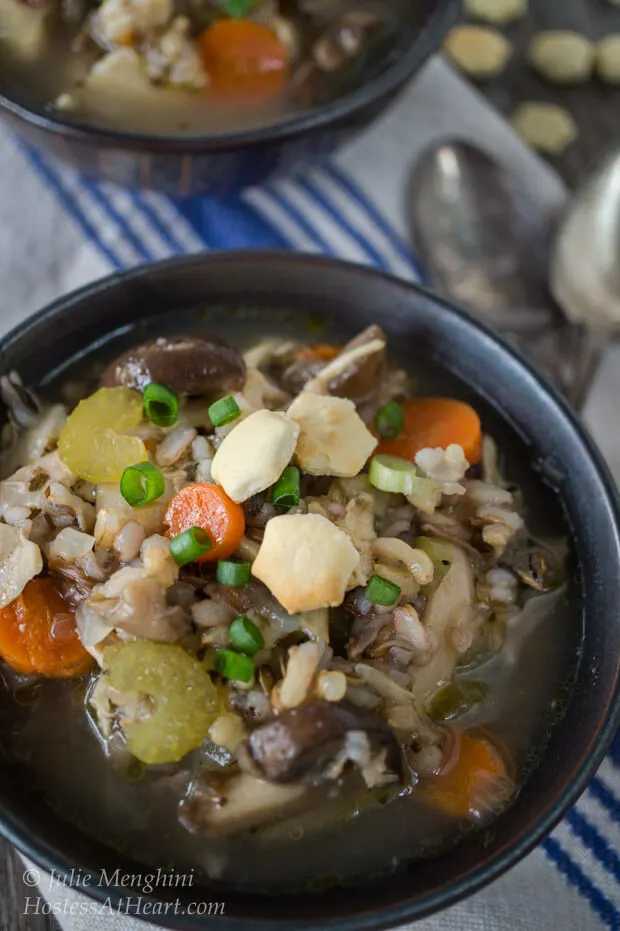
{"x":481,"y":236}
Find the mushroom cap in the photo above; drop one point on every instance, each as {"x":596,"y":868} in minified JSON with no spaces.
{"x":187,"y":364}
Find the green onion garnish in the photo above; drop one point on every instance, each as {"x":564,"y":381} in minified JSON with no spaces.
{"x":286,"y":492}
{"x":380,"y":591}
{"x":245,"y":635}
{"x":390,"y":420}
{"x":190,"y":545}
{"x":238,"y":9}
{"x":233,"y":665}
{"x":224,"y":411}
{"x":389,"y":473}
{"x":161,"y":404}
{"x":233,"y":574}
{"x":141,"y":484}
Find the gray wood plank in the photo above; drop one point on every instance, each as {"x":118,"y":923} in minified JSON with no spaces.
{"x":13,"y":895}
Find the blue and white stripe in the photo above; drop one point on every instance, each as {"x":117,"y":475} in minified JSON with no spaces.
{"x":326,"y":212}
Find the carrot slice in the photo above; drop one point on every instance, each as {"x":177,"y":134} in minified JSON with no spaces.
{"x":436,"y":422}
{"x":324,"y":352}
{"x":209,"y":507}
{"x":476,"y":786}
{"x":244,"y":59}
{"x":38,"y":634}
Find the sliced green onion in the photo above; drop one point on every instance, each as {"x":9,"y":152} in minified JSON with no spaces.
{"x":380,"y":591}
{"x":245,"y":635}
{"x":238,"y":9}
{"x":233,"y":574}
{"x":286,"y":492}
{"x":233,"y":665}
{"x":389,"y":473}
{"x":161,"y":404}
{"x":141,"y":484}
{"x":390,"y":420}
{"x":190,"y":545}
{"x":224,"y":411}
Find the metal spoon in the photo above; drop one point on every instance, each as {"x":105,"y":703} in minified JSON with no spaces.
{"x":484,"y":240}
{"x":585,"y":266}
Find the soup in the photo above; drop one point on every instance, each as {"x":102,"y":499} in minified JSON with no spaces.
{"x":194,"y":66}
{"x":274,"y":602}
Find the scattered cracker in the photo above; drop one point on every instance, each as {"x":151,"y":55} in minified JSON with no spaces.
{"x":545,"y":127}
{"x":480,"y":52}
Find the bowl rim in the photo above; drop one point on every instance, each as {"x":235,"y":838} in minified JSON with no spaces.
{"x":388,"y":81}
{"x":474,"y":879}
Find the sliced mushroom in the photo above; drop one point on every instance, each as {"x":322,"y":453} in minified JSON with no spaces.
{"x":187,"y":364}
{"x":218,"y":805}
{"x":312,"y":743}
{"x":356,"y":372}
{"x":452,"y":621}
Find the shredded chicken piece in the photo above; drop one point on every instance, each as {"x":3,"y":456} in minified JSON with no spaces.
{"x":134,"y":601}
{"x":408,"y":625}
{"x":20,"y":561}
{"x":359,"y":522}
{"x":295,"y":687}
{"x":416,"y":561}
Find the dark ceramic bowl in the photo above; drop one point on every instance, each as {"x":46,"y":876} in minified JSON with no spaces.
{"x":218,"y":164}
{"x":567,"y":486}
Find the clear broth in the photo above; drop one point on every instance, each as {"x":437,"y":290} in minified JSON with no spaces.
{"x":529,"y":684}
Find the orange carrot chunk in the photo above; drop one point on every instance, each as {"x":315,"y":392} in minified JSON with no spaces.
{"x":436,"y":422}
{"x":324,"y":352}
{"x":38,"y":634}
{"x":244,"y":59}
{"x":208,"y":507}
{"x":476,"y":786}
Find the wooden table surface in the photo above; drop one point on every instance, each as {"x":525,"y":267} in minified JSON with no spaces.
{"x":13,"y":893}
{"x":595,"y":108}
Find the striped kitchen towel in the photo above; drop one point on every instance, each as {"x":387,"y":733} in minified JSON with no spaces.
{"x":59,"y":231}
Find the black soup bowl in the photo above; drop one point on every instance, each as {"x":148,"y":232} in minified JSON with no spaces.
{"x":223,"y":162}
{"x":567,"y":489}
